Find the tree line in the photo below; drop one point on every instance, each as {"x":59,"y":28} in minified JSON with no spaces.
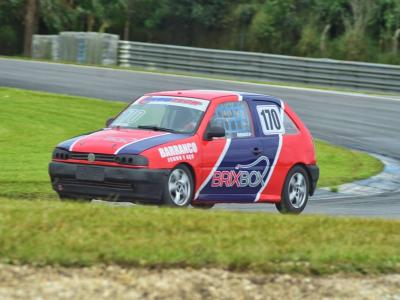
{"x":364,"y":30}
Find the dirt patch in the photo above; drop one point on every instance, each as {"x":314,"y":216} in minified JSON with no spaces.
{"x":111,"y":282}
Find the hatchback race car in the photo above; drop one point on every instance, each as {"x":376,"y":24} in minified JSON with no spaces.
{"x":193,"y":147}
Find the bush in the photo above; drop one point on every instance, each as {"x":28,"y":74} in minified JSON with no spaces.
{"x":9,"y":43}
{"x":309,"y":44}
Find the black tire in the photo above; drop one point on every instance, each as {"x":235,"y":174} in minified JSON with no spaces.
{"x":295,"y":191}
{"x":182,"y":178}
{"x":64,"y":197}
{"x":203,"y":205}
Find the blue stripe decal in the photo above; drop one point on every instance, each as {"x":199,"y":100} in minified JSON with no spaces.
{"x":249,"y":97}
{"x":67,"y":144}
{"x":139,"y":147}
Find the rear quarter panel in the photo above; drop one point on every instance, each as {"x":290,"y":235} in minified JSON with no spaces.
{"x":296,"y":149}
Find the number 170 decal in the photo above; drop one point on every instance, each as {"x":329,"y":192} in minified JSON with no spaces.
{"x":271,"y":119}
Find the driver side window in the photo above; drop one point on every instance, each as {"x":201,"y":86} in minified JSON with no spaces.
{"x":235,"y":118}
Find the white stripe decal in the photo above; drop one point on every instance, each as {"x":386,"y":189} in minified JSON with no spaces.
{"x":137,"y":141}
{"x":73,"y":144}
{"x":79,"y":139}
{"x":278,"y":152}
{"x":221,"y":157}
{"x":240,"y":97}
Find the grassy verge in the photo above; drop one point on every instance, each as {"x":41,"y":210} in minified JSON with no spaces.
{"x":217,"y":77}
{"x":73,"y":234}
{"x":339,"y":165}
{"x":32,"y":123}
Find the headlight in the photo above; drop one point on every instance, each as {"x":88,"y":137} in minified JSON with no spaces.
{"x":130,"y":159}
{"x":61,"y":154}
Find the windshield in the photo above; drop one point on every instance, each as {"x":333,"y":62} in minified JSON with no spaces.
{"x":171,"y":114}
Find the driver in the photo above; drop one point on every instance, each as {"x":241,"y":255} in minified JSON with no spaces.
{"x":185,"y":120}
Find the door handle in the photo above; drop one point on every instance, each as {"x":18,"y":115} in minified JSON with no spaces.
{"x":257,"y":151}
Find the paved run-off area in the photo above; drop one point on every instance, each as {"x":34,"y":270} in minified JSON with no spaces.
{"x":111,"y":282}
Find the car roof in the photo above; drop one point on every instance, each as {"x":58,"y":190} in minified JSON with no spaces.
{"x":214,"y":94}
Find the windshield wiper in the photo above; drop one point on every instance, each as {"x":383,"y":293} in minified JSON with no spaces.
{"x":157,"y":128}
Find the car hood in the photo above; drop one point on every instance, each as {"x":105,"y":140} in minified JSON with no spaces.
{"x":119,"y":141}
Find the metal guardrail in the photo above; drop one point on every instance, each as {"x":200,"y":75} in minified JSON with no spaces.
{"x":267,"y":67}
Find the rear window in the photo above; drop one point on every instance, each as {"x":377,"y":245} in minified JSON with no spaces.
{"x":290,"y":127}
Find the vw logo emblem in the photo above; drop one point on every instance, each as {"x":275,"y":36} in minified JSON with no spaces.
{"x":91,"y":157}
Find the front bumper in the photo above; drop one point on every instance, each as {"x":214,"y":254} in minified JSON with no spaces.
{"x":313,"y":172}
{"x":108,"y":183}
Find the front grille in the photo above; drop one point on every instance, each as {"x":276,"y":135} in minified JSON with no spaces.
{"x":98,"y":157}
{"x":112,"y":185}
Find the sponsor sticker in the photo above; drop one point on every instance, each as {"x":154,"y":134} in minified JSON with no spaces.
{"x":178,"y":152}
{"x":242,"y":176}
{"x":116,"y":139}
{"x":198,"y":104}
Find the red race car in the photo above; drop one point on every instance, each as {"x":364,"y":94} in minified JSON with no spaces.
{"x":193,"y":147}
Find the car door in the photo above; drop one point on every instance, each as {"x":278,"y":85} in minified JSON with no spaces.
{"x":238,"y":174}
{"x":268,"y":116}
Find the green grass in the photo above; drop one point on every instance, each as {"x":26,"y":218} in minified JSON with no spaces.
{"x":32,"y":123}
{"x":76,"y":234}
{"x":339,"y":165}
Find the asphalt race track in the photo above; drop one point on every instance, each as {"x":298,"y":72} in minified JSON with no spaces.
{"x":364,"y":122}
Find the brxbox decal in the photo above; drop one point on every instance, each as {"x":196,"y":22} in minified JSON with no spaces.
{"x":241,"y":178}
{"x":178,"y":152}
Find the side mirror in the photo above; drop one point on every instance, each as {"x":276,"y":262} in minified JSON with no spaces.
{"x":214,"y":132}
{"x":109,"y":121}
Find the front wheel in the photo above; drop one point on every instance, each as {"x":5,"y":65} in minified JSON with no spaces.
{"x":66,"y":197}
{"x":295,"y":192}
{"x":179,"y":188}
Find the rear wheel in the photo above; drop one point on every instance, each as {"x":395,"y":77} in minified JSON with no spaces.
{"x":179,"y":187}
{"x":295,"y":192}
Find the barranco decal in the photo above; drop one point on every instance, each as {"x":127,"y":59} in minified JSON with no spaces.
{"x":178,"y":152}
